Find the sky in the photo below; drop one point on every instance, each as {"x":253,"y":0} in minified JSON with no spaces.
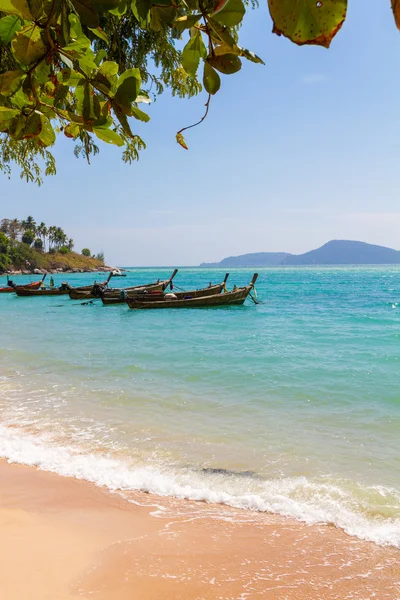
{"x":294,"y":153}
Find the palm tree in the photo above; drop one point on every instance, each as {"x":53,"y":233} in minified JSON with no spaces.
{"x":42,"y":231}
{"x":71,"y":244}
{"x":29,"y":223}
{"x":58,"y":237}
{"x":51,"y":233}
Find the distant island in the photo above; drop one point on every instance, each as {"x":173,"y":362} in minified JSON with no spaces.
{"x":335,"y":252}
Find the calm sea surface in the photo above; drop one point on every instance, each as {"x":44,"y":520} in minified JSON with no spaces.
{"x":291,"y":406}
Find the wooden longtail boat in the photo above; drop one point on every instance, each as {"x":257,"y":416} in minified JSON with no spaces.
{"x":87,"y":291}
{"x":152,"y":295}
{"x":145,"y":296}
{"x":11,"y":287}
{"x":60,"y":291}
{"x":234,"y":298}
{"x":98,"y":291}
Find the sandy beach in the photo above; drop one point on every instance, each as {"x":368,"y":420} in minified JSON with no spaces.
{"x":62,"y":538}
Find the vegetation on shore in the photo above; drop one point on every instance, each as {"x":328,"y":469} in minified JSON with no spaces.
{"x":23,"y":247}
{"x":82,"y":68}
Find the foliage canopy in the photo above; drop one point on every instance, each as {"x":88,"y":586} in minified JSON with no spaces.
{"x":23,"y":246}
{"x":84,"y":68}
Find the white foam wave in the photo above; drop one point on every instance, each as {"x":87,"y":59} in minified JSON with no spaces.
{"x":308,"y":501}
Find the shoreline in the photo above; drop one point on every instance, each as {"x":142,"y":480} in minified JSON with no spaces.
{"x":72,"y":540}
{"x":58,"y":271}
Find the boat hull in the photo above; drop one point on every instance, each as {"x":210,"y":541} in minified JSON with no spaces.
{"x":26,"y":292}
{"x":31,"y":286}
{"x":115,"y":294}
{"x":224,"y":299}
{"x":159,"y":296}
{"x":236,"y":297}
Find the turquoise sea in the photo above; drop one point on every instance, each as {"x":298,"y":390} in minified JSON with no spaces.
{"x":291,"y":406}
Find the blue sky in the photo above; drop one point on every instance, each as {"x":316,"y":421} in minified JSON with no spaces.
{"x":293,"y":154}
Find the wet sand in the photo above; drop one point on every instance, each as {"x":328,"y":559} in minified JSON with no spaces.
{"x":64,"y":539}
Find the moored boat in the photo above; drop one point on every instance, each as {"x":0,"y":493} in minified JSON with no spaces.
{"x":99,"y":290}
{"x":87,"y":291}
{"x":11,"y":287}
{"x":60,"y":291}
{"x":235,"y":297}
{"x":154,"y":296}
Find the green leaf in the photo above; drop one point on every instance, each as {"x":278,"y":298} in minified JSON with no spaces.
{"x":109,"y":69}
{"x":71,"y":116}
{"x":72,"y":130}
{"x":121,"y":9}
{"x":221,"y":33}
{"x":229,"y":12}
{"x":87,"y":12}
{"x":109,"y":136}
{"x":6,"y":116}
{"x":64,"y":37}
{"x":107,"y":77}
{"x":87,"y":63}
{"x":226,"y":64}
{"x":144,"y":98}
{"x":102,"y":84}
{"x":90,"y":104}
{"x":47,"y":136}
{"x":70,"y":78}
{"x":48,"y":111}
{"x":8,"y":27}
{"x":128,"y":88}
{"x":211,"y":79}
{"x":308,"y":21}
{"x":20,"y":100}
{"x":98,"y":32}
{"x":181,"y":141}
{"x":141,"y":9}
{"x":28,"y":46}
{"x":162,"y":17}
{"x":40,"y":9}
{"x":33,"y":126}
{"x":139,"y":114}
{"x":49,"y":89}
{"x":10,"y":82}
{"x":74,"y":50}
{"x":68,"y":62}
{"x":100,"y":56}
{"x":17,"y":126}
{"x":250,"y":55}
{"x":222,"y":49}
{"x":42,"y":72}
{"x":186,"y":22}
{"x":192,"y":52}
{"x":16,"y":7}
{"x":75,"y":29}
{"x":124,"y":122}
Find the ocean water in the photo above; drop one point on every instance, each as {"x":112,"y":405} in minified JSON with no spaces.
{"x":291,"y":406}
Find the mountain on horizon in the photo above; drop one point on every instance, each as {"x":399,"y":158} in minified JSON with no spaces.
{"x":335,"y":252}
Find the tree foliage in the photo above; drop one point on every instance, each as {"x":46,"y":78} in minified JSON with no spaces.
{"x":23,"y":243}
{"x":85,"y":68}
{"x":29,"y":232}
